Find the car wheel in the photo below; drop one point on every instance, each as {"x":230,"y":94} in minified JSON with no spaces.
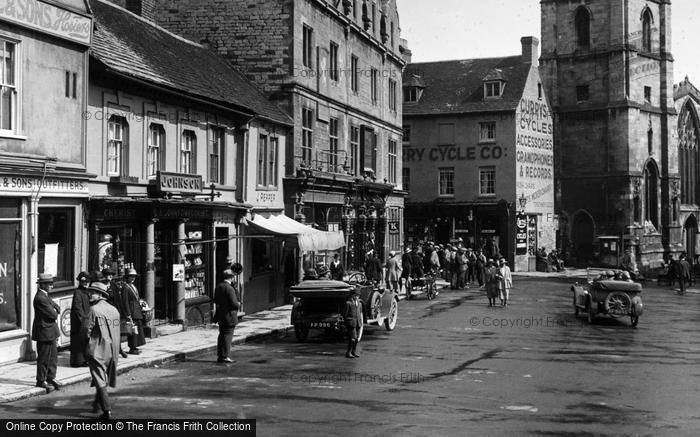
{"x":591,"y":312}
{"x":634,"y":320}
{"x":301,"y":331}
{"x":375,"y":306}
{"x":390,"y":321}
{"x":618,"y":303}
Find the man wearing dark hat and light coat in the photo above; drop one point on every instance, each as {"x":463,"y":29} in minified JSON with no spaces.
{"x":45,"y":332}
{"x":79,"y":309}
{"x":226,"y":316}
{"x":353,"y":322}
{"x":103,"y":339}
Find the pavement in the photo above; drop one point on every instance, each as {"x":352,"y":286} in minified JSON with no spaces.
{"x":18,"y":379}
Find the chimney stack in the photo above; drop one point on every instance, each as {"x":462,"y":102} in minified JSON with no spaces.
{"x":406,"y":53}
{"x":143,"y":8}
{"x":530,"y":49}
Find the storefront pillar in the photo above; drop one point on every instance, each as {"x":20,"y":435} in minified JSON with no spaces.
{"x":149,"y":271}
{"x":180,"y":286}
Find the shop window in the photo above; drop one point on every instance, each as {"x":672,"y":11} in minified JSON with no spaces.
{"x":217,"y":142}
{"x":9,"y":92}
{"x":487,"y":181}
{"x":117,"y":145}
{"x":447,"y":182}
{"x":307,"y":135}
{"x":195,"y":262}
{"x":261,"y":259}
{"x":156,"y":147}
{"x":487,"y":132}
{"x":392,"y":161}
{"x":56,"y":244}
{"x":188,"y":151}
{"x":10,"y":265}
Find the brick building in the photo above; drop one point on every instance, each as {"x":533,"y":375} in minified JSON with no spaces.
{"x":477,"y":155}
{"x":607,"y":68}
{"x":335,"y":67}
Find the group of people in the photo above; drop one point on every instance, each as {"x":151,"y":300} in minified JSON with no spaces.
{"x":98,"y":308}
{"x":680,"y":270}
{"x":552,"y":261}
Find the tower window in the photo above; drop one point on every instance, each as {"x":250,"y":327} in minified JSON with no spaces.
{"x":583,"y":27}
{"x":582,"y":93}
{"x":647,"y":19}
{"x":647,"y":95}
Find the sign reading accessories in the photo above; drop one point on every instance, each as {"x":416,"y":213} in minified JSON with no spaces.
{"x":178,"y":183}
{"x":47,"y":18}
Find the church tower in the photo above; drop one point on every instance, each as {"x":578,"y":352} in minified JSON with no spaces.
{"x":608,"y":71}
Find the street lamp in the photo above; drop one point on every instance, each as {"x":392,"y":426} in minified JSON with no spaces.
{"x":523,"y":202}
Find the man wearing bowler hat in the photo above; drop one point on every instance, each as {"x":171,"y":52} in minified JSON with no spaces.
{"x":45,"y":333}
{"x":226,"y":316}
{"x":132,"y":308}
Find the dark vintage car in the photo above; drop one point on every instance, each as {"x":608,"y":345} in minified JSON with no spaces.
{"x":608,"y":296}
{"x":320,"y":303}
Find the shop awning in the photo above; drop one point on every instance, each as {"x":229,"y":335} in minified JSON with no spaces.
{"x":309,"y":238}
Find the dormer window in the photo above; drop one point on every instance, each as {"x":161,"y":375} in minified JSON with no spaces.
{"x":493,"y":89}
{"x":412,"y":94}
{"x":494,"y":84}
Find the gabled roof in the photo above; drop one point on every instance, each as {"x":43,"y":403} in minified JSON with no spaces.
{"x":458,"y":86}
{"x":134,"y":47}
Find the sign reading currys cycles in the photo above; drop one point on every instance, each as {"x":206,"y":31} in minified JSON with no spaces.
{"x":47,"y":18}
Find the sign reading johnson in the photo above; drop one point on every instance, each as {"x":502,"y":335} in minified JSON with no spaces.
{"x":47,"y":18}
{"x":178,"y":183}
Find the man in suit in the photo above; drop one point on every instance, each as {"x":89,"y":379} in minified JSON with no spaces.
{"x":337,"y":270}
{"x":226,"y":316}
{"x":132,"y":307}
{"x":406,"y":266}
{"x":393,"y":272}
{"x":80,"y":306}
{"x":353,"y":322}
{"x":45,"y":332}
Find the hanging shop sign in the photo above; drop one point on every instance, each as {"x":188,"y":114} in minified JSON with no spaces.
{"x":393,"y":228}
{"x":521,"y":234}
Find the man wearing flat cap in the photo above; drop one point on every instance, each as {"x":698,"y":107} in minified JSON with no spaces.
{"x":78,"y":314}
{"x":101,"y":332}
{"x":226,"y":316}
{"x":45,"y":333}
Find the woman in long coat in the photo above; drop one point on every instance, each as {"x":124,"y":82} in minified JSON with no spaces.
{"x":491,"y":282}
{"x":102,"y":333}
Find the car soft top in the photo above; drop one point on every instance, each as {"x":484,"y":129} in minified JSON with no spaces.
{"x":612,"y":285}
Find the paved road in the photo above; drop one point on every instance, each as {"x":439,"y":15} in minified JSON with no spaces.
{"x":452,"y":367}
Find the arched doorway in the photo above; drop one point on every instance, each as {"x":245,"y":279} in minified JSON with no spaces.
{"x":690,"y":228}
{"x":582,"y":234}
{"x":651,"y":194}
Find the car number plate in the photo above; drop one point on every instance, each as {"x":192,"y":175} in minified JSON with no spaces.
{"x":320,"y":324}
{"x":618,"y":312}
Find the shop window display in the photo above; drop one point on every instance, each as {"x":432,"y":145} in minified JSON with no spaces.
{"x":56,"y":243}
{"x":195,"y":266}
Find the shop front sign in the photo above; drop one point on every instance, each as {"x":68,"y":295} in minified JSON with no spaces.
{"x":178,"y":183}
{"x":47,"y":18}
{"x":49,"y":185}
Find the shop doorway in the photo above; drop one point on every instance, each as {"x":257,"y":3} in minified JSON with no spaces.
{"x":164,"y":250}
{"x":221,"y":253}
{"x":582,"y":233}
{"x":691,"y":234}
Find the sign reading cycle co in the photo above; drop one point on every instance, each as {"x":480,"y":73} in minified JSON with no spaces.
{"x":47,"y":18}
{"x":178,"y":183}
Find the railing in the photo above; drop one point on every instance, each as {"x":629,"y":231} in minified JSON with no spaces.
{"x":326,"y":161}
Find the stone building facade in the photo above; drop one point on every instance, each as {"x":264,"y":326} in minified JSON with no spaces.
{"x":607,"y":68}
{"x":478,"y":155}
{"x":335,"y":67}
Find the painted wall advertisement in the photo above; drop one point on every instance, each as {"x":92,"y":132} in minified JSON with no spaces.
{"x":521,"y":234}
{"x":9,"y":270}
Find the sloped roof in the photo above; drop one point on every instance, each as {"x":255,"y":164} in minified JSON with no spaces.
{"x":132,"y":46}
{"x":458,"y":86}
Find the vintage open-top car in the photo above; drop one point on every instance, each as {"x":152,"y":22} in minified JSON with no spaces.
{"x":320,"y":303}
{"x":606,"y":295}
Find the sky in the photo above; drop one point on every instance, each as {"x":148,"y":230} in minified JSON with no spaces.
{"x":458,"y":29}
